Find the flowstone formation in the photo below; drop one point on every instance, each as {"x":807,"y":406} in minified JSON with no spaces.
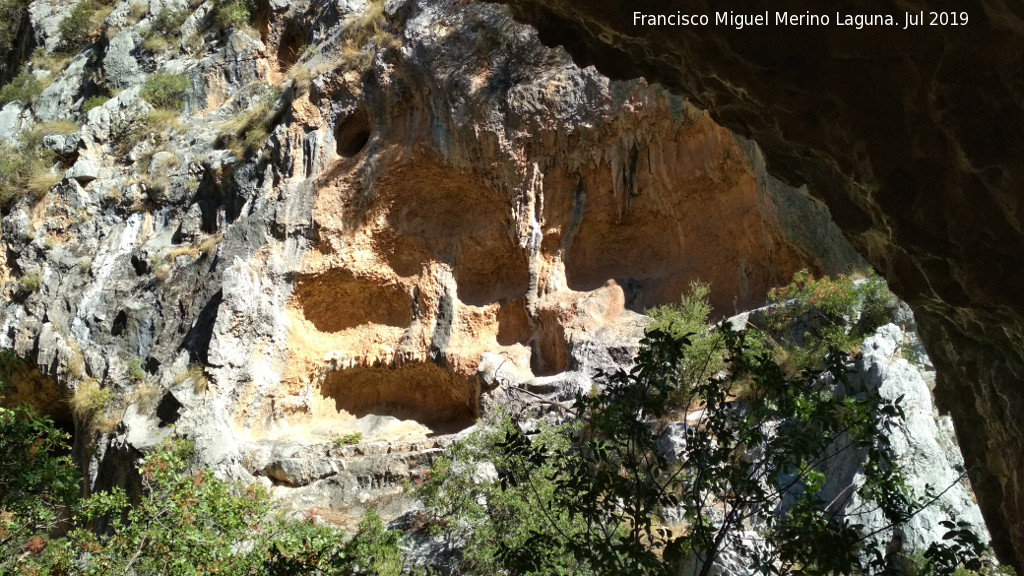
{"x":362,"y":217}
{"x":906,"y":134}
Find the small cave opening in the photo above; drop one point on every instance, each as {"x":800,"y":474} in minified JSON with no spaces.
{"x":352,"y":133}
{"x":424,"y":392}
{"x":549,"y":348}
{"x":290,"y":46}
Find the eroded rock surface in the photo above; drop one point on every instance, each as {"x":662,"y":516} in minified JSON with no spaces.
{"x":449,"y":191}
{"x":907,"y":135}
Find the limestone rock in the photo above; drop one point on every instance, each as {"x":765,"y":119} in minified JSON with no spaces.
{"x":83,"y":171}
{"x":300,"y":472}
{"x":120,"y":64}
{"x":10,"y":120}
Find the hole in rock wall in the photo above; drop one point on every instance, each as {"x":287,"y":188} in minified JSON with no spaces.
{"x":352,"y":133}
{"x":419,"y":391}
{"x":550,"y":348}
{"x":120,"y":324}
{"x":292,"y":40}
{"x":336,"y":300}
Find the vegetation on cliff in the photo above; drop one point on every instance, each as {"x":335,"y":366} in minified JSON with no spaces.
{"x":183,"y":521}
{"x":618,"y":488}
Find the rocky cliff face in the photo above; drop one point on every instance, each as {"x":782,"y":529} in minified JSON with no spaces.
{"x":907,"y":136}
{"x":436,"y":203}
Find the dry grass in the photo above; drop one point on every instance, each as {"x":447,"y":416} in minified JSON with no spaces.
{"x":99,"y":16}
{"x":195,"y":373}
{"x":301,"y":79}
{"x":192,"y":251}
{"x":249,"y":129}
{"x":146,"y":397}
{"x":53,"y":63}
{"x":162,"y":272}
{"x":107,"y":422}
{"x":367,"y":28}
{"x":40,"y":183}
{"x":194,"y":43}
{"x":156,"y":43}
{"x":209,"y":244}
{"x":76,"y":364}
{"x":60,"y":127}
{"x":89,"y":399}
{"x":137,"y":11}
{"x":161,"y":119}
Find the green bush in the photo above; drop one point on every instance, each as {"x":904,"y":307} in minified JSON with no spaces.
{"x":185,"y":521}
{"x":168,"y":22}
{"x":232,"y":13}
{"x":690,"y":319}
{"x":166,"y":90}
{"x":38,"y":482}
{"x":587,"y":497}
{"x":135,"y":370}
{"x":348,"y":439}
{"x":495,"y":518}
{"x":76,"y":29}
{"x":811,"y":315}
{"x":24,"y":87}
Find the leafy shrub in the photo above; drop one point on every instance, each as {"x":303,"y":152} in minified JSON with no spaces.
{"x":498,"y":518}
{"x":348,"y":439}
{"x":690,"y":318}
{"x":184,"y":520}
{"x":810,"y":315}
{"x":166,"y":90}
{"x":877,"y":304}
{"x":24,"y":88}
{"x":136,"y":373}
{"x":76,"y":29}
{"x":232,"y":13}
{"x":38,"y":482}
{"x":592,"y":492}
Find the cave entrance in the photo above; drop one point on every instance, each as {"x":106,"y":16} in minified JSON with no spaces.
{"x":290,"y":47}
{"x":352,"y":133}
{"x":419,"y":391}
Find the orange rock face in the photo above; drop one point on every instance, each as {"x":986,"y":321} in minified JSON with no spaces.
{"x":522,"y":244}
